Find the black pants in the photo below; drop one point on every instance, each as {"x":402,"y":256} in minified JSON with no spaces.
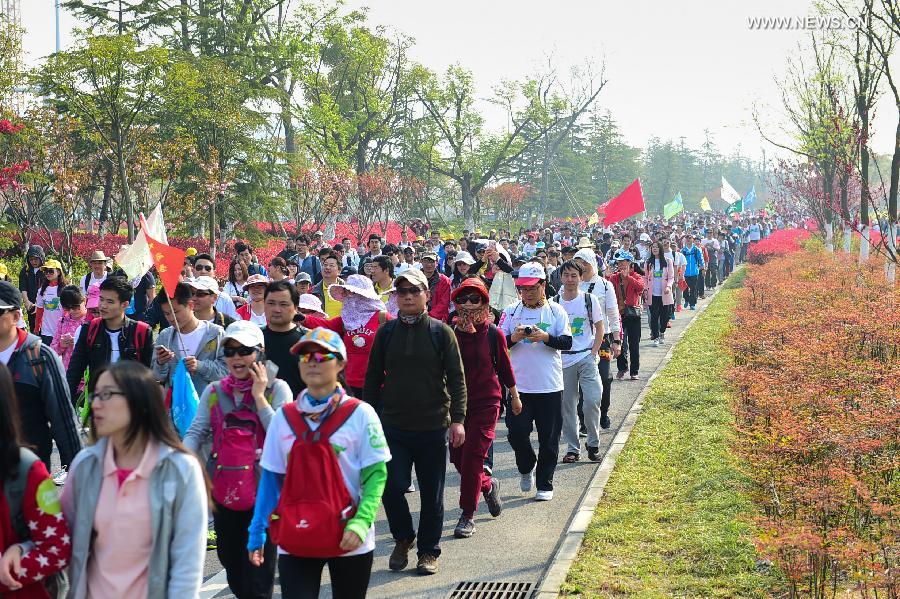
{"x":542,"y":411}
{"x":246,"y":580}
{"x":712,"y":274}
{"x":301,"y":577}
{"x":631,"y":345}
{"x":659,"y":317}
{"x":606,"y":379}
{"x":427,"y":452}
{"x":701,"y":284}
{"x":690,"y":294}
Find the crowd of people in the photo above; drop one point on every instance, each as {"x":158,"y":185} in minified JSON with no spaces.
{"x":325,"y":379}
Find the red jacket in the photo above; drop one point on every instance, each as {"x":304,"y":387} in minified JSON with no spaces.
{"x":634,"y":288}
{"x":49,"y":534}
{"x":358,"y":343}
{"x":440,"y":299}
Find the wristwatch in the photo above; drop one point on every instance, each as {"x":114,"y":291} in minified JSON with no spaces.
{"x":619,"y":341}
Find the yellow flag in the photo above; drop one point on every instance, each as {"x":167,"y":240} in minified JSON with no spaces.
{"x":593,"y":219}
{"x":704,"y":203}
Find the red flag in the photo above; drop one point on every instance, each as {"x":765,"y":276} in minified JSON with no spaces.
{"x":168,"y":261}
{"x":628,"y":203}
{"x":601,"y":209}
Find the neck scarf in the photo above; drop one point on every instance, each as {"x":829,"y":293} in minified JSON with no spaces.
{"x":318,"y":409}
{"x":410,"y":319}
{"x":539,"y":304}
{"x":468,"y":316}
{"x":239,"y":389}
{"x":356,"y":310}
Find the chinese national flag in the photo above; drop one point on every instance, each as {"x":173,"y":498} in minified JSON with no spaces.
{"x":628,"y":203}
{"x":168,"y":261}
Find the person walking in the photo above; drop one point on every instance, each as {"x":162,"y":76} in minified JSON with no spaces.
{"x":295,"y":469}
{"x":31,"y":278}
{"x":43,"y":400}
{"x":48,"y":310}
{"x":536,"y":331}
{"x":137,"y":471}
{"x":236,"y":413}
{"x":629,"y":286}
{"x":693,"y":256}
{"x":415,"y":374}
{"x":480,"y":345}
{"x":580,"y":371}
{"x":659,"y":278}
{"x":33,"y":546}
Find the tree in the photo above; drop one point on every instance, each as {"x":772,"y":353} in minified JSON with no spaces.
{"x":111,"y":84}
{"x":506,"y":201}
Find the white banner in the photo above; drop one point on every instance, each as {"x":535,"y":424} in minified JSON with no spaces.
{"x":135,"y":259}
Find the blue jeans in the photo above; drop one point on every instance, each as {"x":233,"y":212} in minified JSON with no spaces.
{"x":427,"y":452}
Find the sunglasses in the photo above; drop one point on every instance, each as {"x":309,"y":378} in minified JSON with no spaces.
{"x":47,"y":271}
{"x":203,"y":267}
{"x":203,"y":293}
{"x":230,"y":352}
{"x":318,"y":357}
{"x":408,"y":290}
{"x":468,"y":299}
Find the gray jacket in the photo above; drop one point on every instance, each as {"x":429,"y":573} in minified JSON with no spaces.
{"x":210,"y":358}
{"x":178,"y":519}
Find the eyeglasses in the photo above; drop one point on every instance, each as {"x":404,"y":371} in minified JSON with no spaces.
{"x":528,"y":287}
{"x":203,"y":267}
{"x":408,"y":290}
{"x":105,"y":395}
{"x":230,"y":352}
{"x":318,"y":357}
{"x":468,"y":299}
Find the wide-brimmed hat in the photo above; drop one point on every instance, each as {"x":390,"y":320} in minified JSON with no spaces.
{"x":308,"y":301}
{"x":358,"y":284}
{"x":256,"y":280}
{"x":584,"y":242}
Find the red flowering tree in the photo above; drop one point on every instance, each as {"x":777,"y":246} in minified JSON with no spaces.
{"x":506,"y":201}
{"x":372,"y":191}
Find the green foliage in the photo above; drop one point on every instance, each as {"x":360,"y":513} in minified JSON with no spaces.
{"x":673,"y":518}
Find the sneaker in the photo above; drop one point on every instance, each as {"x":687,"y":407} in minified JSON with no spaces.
{"x":526,"y":481}
{"x":594,"y":453}
{"x":411,"y":488}
{"x":662,"y":337}
{"x":633,"y":377}
{"x":400,"y":555}
{"x":492,"y":498}
{"x":465,"y":528}
{"x":693,"y":307}
{"x":211,"y":539}
{"x":426,"y":565}
{"x":621,"y":375}
{"x":604,"y":421}
{"x":543,"y":496}
{"x":656,"y":343}
{"x":582,"y":430}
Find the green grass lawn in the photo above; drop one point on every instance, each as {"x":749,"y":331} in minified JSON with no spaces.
{"x":673,"y":521}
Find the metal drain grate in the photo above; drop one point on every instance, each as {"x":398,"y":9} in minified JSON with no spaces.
{"x":492,"y":590}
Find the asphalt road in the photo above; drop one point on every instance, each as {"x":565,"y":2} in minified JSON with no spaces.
{"x":519,"y":544}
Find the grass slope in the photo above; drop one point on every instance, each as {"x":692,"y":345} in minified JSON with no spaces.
{"x":672,"y":519}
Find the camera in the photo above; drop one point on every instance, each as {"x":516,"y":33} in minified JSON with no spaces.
{"x":529,"y":330}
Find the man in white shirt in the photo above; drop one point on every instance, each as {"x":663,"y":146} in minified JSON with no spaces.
{"x":580,"y":371}
{"x":536,"y":331}
{"x":602,"y":288}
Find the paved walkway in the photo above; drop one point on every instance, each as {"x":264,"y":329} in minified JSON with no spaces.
{"x":517,"y":546}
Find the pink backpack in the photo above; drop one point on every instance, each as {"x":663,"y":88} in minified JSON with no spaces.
{"x":238,"y":438}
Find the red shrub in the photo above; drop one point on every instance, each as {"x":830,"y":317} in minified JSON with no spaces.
{"x":780,"y":243}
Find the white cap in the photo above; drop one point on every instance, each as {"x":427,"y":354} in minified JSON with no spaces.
{"x":205,"y":284}
{"x":246,"y":333}
{"x":588,"y":255}
{"x":645,"y":237}
{"x":530,"y":273}
{"x":465,"y":257}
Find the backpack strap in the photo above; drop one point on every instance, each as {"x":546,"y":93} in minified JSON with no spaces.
{"x":35,"y":361}
{"x":492,"y":343}
{"x":388,"y":327}
{"x":382,"y":318}
{"x":14,"y":489}
{"x":589,"y":308}
{"x":332,"y":423}
{"x":140,"y":337}
{"x":436,"y":329}
{"x":93,"y":329}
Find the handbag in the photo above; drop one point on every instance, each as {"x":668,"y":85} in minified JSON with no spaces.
{"x":631,"y":312}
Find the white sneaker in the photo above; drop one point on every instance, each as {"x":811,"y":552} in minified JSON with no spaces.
{"x":662,"y":338}
{"x":526,"y":481}
{"x":656,"y":343}
{"x":543,"y":496}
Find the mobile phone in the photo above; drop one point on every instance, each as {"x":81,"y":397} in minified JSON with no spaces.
{"x":158,"y":347}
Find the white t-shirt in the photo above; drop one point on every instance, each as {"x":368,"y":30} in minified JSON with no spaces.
{"x":679,"y":260}
{"x":582,"y":330}
{"x":191,"y":341}
{"x":605,"y":293}
{"x":113,"y":345}
{"x":359,"y":443}
{"x":225,"y":305}
{"x":49,"y":301}
{"x":6,"y":354}
{"x":258,"y":319}
{"x":538,"y":367}
{"x":88,"y":280}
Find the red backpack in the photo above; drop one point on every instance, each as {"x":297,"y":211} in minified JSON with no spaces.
{"x":314,"y":505}
{"x":237,"y":440}
{"x":141,"y":329}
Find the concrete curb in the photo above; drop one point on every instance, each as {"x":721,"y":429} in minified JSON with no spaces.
{"x":567,"y":550}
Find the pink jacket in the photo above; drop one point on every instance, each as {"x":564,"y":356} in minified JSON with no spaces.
{"x":668,"y":277}
{"x":67,"y":325}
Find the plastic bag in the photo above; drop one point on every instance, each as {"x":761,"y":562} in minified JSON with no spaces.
{"x":503,"y":291}
{"x":184,"y":399}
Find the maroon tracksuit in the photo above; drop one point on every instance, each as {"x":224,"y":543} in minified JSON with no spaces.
{"x":483,"y":408}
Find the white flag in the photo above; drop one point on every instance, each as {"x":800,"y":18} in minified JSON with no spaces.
{"x":729,"y":195}
{"x":135,"y":259}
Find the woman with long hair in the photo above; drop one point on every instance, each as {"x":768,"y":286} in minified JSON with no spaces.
{"x":136,"y":501}
{"x":49,"y":310}
{"x":342,"y":536}
{"x":237,"y":276}
{"x":659,"y":275}
{"x":244,"y":401}
{"x":33,"y":520}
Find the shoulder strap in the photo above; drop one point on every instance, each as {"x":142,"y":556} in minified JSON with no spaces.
{"x":436,"y":329}
{"x":382,"y":317}
{"x":589,"y":308}
{"x":93,"y":329}
{"x":140,"y":336}
{"x":492,"y":343}
{"x":295,"y":420}
{"x":33,"y":355}
{"x":14,"y":489}
{"x":336,"y":419}
{"x":389,"y":327}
